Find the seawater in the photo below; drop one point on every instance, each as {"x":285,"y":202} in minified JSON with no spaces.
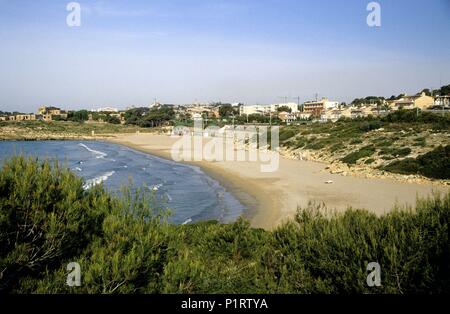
{"x":186,"y":190}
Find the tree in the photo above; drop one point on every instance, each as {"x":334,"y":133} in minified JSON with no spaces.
{"x":284,"y":109}
{"x":45,"y":217}
{"x":226,"y":110}
{"x":135,"y":116}
{"x":444,"y":90}
{"x":426,"y":91}
{"x":112,"y":119}
{"x":78,"y":116}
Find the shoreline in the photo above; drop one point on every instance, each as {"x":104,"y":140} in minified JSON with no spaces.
{"x":273,"y":198}
{"x":258,"y":206}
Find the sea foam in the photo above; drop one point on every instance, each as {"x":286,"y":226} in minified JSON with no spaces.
{"x":96,"y":152}
{"x":97,"y":180}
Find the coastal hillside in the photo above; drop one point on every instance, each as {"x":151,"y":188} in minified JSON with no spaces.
{"x":47,"y":221}
{"x":414,"y":145}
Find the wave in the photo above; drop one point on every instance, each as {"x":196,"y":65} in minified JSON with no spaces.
{"x":187,"y":221}
{"x":96,"y":152}
{"x":97,"y":180}
{"x":156,"y":187}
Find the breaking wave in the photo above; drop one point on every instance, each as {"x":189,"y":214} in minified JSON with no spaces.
{"x":97,"y":180}
{"x":96,"y":152}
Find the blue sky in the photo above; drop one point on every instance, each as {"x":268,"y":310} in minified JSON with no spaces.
{"x":254,"y":51}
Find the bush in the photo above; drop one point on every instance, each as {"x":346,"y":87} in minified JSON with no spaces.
{"x":434,"y":164}
{"x":413,"y":115}
{"x":355,"y":141}
{"x":286,"y":134}
{"x":124,"y":246}
{"x":396,"y":152}
{"x":45,"y":217}
{"x":367,"y":126}
{"x":353,"y":157}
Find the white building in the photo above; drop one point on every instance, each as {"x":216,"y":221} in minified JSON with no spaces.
{"x":254,"y":109}
{"x":330,"y":104}
{"x":107,"y":109}
{"x":442,"y":101}
{"x":266,"y":109}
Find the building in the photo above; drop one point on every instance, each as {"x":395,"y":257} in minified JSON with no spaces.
{"x":421,"y":101}
{"x":304,"y":115}
{"x":442,"y":101}
{"x":316,"y":107}
{"x":267,"y":109}
{"x":255,"y":109}
{"x":331,"y":115}
{"x":25,"y":117}
{"x":49,"y":113}
{"x":107,"y":109}
{"x":287,"y":117}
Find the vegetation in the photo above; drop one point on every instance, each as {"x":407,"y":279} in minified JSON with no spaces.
{"x":434,"y":164}
{"x":227,"y":110}
{"x":30,"y":130}
{"x":145,"y":117}
{"x":47,"y":220}
{"x":78,"y":116}
{"x":368,"y":100}
{"x":353,"y":157}
{"x":411,"y":116}
{"x":444,"y":90}
{"x":284,"y":109}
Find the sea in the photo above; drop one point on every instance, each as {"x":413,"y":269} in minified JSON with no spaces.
{"x":189,"y":193}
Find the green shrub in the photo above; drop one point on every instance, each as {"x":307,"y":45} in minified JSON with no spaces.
{"x":420,"y":141}
{"x":300,"y":142}
{"x":410,"y":116}
{"x":316,"y":145}
{"x":286,"y":133}
{"x":353,"y":157}
{"x":45,"y":217}
{"x":355,"y":141}
{"x":434,"y":164}
{"x":367,"y":126}
{"x":385,"y":143}
{"x":336,"y":147}
{"x":125,"y":246}
{"x":396,"y":152}
{"x":369,"y":161}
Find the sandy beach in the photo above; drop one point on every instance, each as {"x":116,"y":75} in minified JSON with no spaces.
{"x":274,"y":197}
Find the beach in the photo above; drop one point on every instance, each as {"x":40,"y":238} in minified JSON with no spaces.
{"x":274,"y":197}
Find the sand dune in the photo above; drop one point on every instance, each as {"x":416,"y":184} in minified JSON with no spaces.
{"x":274,"y":197}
